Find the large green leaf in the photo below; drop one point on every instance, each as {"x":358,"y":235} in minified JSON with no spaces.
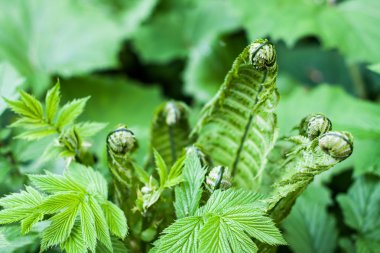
{"x":41,"y":37}
{"x":309,"y":227}
{"x":186,"y":25}
{"x":349,"y":26}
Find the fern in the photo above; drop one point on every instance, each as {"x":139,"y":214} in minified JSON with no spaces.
{"x":39,"y":122}
{"x":237,"y":128}
{"x":77,"y":205}
{"x":170,"y":130}
{"x":226,"y":223}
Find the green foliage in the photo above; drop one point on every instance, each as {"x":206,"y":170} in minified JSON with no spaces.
{"x":77,"y":205}
{"x":10,"y":79}
{"x":224,"y":224}
{"x":316,"y":18}
{"x":39,"y":122}
{"x":309,"y":227}
{"x":188,"y":195}
{"x":361,"y":210}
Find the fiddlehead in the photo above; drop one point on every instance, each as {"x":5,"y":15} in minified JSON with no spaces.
{"x":120,"y":144}
{"x":238,"y":127}
{"x":170,"y":131}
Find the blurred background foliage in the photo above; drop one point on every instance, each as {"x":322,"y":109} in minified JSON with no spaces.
{"x":131,"y":55}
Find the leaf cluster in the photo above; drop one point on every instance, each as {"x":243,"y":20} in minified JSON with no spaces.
{"x":76,"y":206}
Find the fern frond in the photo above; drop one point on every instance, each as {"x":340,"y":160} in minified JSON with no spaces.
{"x":237,"y":128}
{"x":170,"y":131}
{"x":77,"y":205}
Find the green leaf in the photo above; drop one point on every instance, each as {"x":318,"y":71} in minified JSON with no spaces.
{"x":86,"y":129}
{"x":214,"y":237}
{"x":116,"y":220}
{"x":75,"y":243}
{"x":238,"y":127}
{"x":181,"y":236}
{"x":54,"y":183}
{"x":87,"y":226}
{"x":161,"y":167}
{"x":101,"y":225}
{"x":188,"y":195}
{"x":315,"y":18}
{"x":37,"y":134}
{"x":309,"y":227}
{"x":188,"y":24}
{"x":11,"y":239}
{"x":175,"y":173}
{"x":10,"y":80}
{"x":32,"y":104}
{"x":70,"y":112}
{"x":49,"y":35}
{"x":52,"y":102}
{"x":60,"y":228}
{"x":361,"y":206}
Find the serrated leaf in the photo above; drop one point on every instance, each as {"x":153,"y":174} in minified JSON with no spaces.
{"x":11,"y":239}
{"x":54,"y":183}
{"x":37,"y":134}
{"x":213,"y":236}
{"x":116,"y":220}
{"x":188,"y":195}
{"x":60,"y":228}
{"x":70,"y":112}
{"x":32,"y":104}
{"x":180,"y":237}
{"x":87,"y":226}
{"x":309,"y":227}
{"x":27,"y":223}
{"x":55,"y":203}
{"x":161,"y":168}
{"x":101,"y":226}
{"x":75,"y":243}
{"x":53,"y":98}
{"x":361,"y":206}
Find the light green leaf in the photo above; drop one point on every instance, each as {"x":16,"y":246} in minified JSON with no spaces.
{"x":54,"y":183}
{"x":101,"y":225}
{"x":70,"y":112}
{"x":75,"y":243}
{"x":180,"y":237}
{"x":46,"y":46}
{"x":33,"y":104}
{"x":188,"y":195}
{"x":55,"y":203}
{"x":37,"y":134}
{"x":161,"y":167}
{"x":116,"y":220}
{"x":53,"y":98}
{"x":60,"y":228}
{"x":86,"y":129}
{"x":214,"y":237}
{"x":11,"y":239}
{"x":87,"y":226}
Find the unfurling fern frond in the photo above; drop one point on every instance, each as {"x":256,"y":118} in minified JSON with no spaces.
{"x":76,"y":202}
{"x":41,"y":121}
{"x":237,"y":128}
{"x":170,"y":131}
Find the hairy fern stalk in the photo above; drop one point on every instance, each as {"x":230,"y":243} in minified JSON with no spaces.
{"x":223,"y":187}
